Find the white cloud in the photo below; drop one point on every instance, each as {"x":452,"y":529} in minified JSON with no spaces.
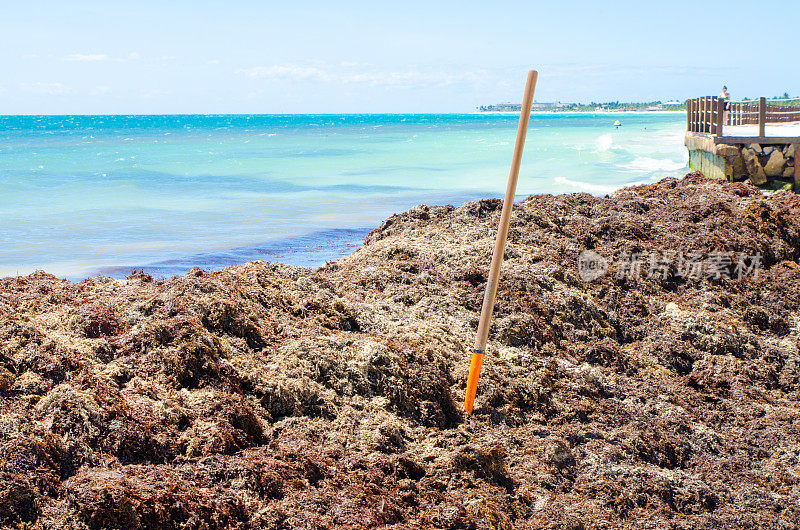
{"x":45,"y":89}
{"x":154,"y":93}
{"x":99,"y":90}
{"x":81,"y":57}
{"x":332,"y":75}
{"x":286,"y":72}
{"x":99,"y":57}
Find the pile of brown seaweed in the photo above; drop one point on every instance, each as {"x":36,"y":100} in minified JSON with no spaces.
{"x":270,"y":396}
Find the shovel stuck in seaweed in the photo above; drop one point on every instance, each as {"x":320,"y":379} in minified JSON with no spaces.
{"x":499,"y":247}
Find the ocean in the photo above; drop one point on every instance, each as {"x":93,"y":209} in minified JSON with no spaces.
{"x":87,"y":195}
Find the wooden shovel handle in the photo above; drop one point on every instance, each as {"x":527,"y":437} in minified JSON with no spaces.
{"x":499,"y":247}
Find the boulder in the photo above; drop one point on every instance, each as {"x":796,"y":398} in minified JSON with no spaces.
{"x":788,"y":172}
{"x":768,"y":150}
{"x":774,"y":166}
{"x":756,"y":148}
{"x":738,"y":169}
{"x":760,"y":178}
{"x":788,"y":152}
{"x":754,"y":169}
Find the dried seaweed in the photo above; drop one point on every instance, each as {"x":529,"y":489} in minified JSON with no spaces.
{"x":270,"y":396}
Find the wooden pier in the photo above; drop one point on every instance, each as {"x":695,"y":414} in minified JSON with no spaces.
{"x":736,"y":140}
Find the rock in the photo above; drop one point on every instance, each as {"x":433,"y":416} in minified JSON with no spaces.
{"x":788,"y":172}
{"x":756,"y":148}
{"x":779,"y":185}
{"x":754,"y":169}
{"x":774,"y":166}
{"x":768,"y":150}
{"x":739,"y":170}
{"x":788,"y":152}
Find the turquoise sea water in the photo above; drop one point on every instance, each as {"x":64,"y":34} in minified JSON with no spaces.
{"x":83,"y":195}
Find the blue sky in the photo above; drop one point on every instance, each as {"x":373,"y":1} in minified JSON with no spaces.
{"x":408,"y":56}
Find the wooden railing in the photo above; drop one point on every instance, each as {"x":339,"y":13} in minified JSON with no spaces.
{"x":708,"y":114}
{"x":705,"y":115}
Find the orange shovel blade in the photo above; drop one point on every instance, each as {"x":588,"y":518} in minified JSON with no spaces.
{"x":472,"y":382}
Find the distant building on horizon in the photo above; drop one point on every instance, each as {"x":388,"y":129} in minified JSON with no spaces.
{"x":610,"y":106}
{"x":517,"y":107}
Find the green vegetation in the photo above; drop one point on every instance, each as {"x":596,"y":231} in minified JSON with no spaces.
{"x":617,"y":105}
{"x":587,"y":107}
{"x":784,"y":100}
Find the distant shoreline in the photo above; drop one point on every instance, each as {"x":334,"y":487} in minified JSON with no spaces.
{"x":584,"y":112}
{"x":224,"y":115}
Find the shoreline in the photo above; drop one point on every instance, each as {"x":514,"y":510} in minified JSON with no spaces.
{"x":312,"y":250}
{"x":585,"y":112}
{"x":323,"y":114}
{"x":273,"y":161}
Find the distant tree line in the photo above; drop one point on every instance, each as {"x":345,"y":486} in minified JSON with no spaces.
{"x":620,"y":105}
{"x":778,"y":100}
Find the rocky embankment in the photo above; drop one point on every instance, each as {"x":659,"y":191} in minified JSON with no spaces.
{"x":269,"y":396}
{"x":770,"y":163}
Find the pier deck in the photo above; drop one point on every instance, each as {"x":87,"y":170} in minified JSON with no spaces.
{"x":755,"y":140}
{"x":774,"y":133}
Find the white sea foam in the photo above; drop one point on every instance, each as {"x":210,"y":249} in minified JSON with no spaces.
{"x":587,"y":186}
{"x":648,"y":164}
{"x":601,"y":188}
{"x":604,"y":142}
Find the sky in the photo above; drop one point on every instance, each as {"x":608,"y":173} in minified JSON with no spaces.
{"x":176,"y":56}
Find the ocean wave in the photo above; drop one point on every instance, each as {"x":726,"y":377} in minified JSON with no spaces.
{"x":647,"y":164}
{"x":603,"y":142}
{"x":587,"y":186}
{"x":602,"y":188}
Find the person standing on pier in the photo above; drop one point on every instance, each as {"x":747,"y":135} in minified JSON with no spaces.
{"x":727,"y":99}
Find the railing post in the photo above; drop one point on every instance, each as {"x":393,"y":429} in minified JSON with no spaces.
{"x":762,"y":116}
{"x":698,"y":104}
{"x":720,"y":115}
{"x":705,"y":114}
{"x":713,"y":115}
{"x":689,"y":115}
{"x":796,"y":166}
{"x":699,"y":115}
{"x":703,"y":110}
